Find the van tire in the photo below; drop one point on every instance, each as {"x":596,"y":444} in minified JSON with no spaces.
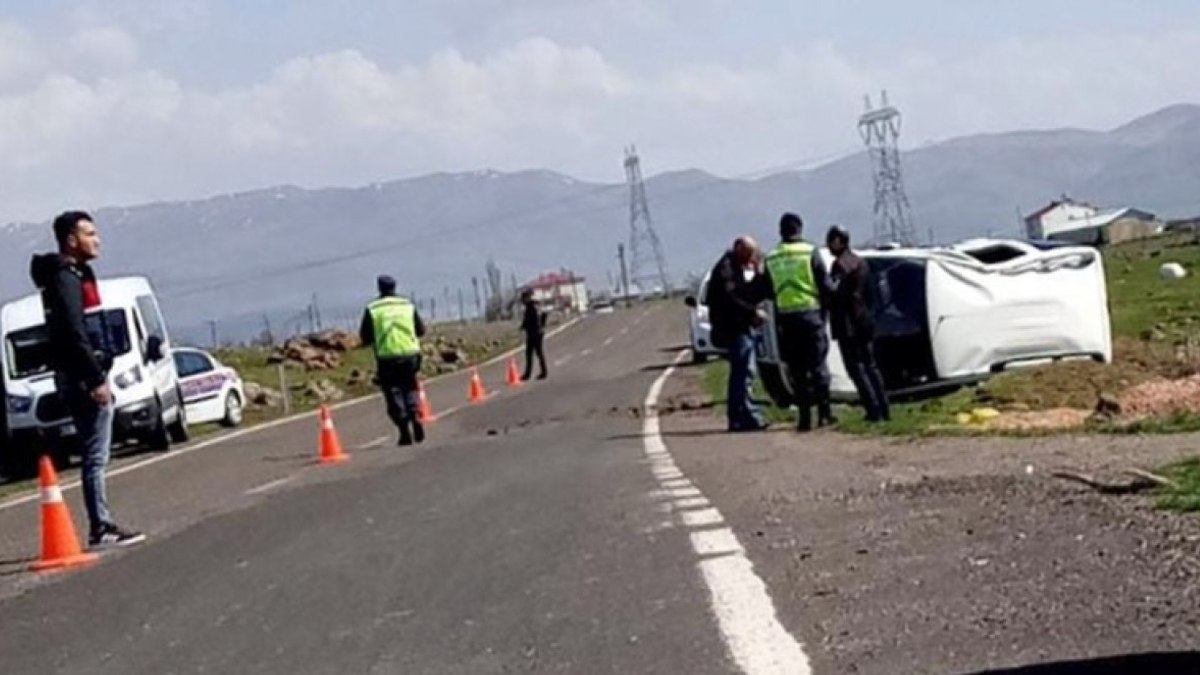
{"x":179,"y":428}
{"x":159,"y":440}
{"x":698,"y":357}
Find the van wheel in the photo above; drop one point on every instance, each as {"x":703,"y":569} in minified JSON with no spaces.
{"x":179,"y":429}
{"x":158,"y":439}
{"x":233,"y":410}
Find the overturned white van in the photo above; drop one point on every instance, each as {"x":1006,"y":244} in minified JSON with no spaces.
{"x":957,"y":314}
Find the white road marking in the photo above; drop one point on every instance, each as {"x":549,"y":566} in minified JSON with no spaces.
{"x":608,"y":342}
{"x":181,"y":452}
{"x":625,"y":331}
{"x":753,"y":636}
{"x":265,"y":487}
{"x":373,"y":444}
{"x":585,"y":353}
{"x":563,"y":360}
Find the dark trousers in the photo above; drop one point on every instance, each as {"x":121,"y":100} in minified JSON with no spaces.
{"x":858,"y":355}
{"x":398,"y":380}
{"x":534,"y":346}
{"x":804,"y":346}
{"x":741,"y":413}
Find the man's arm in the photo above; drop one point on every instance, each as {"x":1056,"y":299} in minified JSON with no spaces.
{"x":81,"y":355}
{"x":821,"y":279}
{"x":734,"y":291}
{"x":366,"y":329}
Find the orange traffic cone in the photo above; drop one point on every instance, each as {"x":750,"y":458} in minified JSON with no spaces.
{"x":424,"y":410}
{"x":60,"y":545}
{"x":476,"y":394}
{"x":330,"y":445}
{"x":514,"y":377}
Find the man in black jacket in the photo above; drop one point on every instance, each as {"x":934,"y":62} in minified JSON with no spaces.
{"x":69,"y":292}
{"x":534,"y":326}
{"x":734,"y":292}
{"x":853,"y":323}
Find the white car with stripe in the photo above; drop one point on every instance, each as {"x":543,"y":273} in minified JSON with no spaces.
{"x":212,"y":392}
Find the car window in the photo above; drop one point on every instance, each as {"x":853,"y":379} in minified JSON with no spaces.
{"x":192,"y":363}
{"x":151,"y":317}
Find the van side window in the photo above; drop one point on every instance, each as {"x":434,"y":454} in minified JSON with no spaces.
{"x":141,"y":334}
{"x":150,"y":315}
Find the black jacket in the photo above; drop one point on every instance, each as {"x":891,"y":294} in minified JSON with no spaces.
{"x":850,"y":313}
{"x":732,"y":301}
{"x":366,"y":329}
{"x":64,"y":301}
{"x":533,"y":322}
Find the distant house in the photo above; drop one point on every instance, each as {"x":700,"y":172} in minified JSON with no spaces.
{"x":562,"y":290}
{"x":1078,"y":222}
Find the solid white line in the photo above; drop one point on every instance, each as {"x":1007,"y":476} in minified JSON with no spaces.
{"x":177,"y":453}
{"x":373,"y":444}
{"x":270,"y":486}
{"x":746,"y":617}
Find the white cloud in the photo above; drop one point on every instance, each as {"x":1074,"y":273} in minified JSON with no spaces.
{"x":101,"y":126}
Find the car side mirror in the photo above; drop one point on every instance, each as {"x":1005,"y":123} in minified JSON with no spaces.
{"x":154,"y":349}
{"x":690,"y":301}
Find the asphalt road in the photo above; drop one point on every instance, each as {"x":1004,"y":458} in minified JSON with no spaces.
{"x":521,"y":538}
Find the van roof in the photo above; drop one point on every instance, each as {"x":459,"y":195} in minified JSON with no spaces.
{"x":27,"y":311}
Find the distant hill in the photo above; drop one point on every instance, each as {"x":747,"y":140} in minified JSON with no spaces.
{"x":236,"y":257}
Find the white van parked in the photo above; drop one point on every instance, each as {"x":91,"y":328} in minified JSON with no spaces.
{"x":957,"y":314}
{"x":129,"y":327}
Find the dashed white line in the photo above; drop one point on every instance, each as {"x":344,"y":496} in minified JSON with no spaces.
{"x":746,"y":617}
{"x":608,"y":342}
{"x":585,"y":353}
{"x":373,"y":444}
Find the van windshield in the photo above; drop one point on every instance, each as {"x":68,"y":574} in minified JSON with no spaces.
{"x":27,"y":351}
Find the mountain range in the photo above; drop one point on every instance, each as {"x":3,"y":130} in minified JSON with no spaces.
{"x":259,"y":257}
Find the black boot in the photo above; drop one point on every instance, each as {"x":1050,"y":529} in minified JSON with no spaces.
{"x":418,"y":432}
{"x":825,"y":416}
{"x":804,"y":420}
{"x":405,"y":435}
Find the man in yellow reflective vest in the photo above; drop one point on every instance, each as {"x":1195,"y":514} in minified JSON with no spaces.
{"x":392,"y":326}
{"x":796,"y":281}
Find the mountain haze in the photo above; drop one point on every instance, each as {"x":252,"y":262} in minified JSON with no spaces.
{"x":236,"y":257}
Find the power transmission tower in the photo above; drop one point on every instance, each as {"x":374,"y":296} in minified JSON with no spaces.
{"x":624,"y":273}
{"x":648,"y":267}
{"x":880,"y":131}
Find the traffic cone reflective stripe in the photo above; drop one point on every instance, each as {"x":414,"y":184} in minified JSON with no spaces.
{"x":330,"y":445}
{"x":60,"y":544}
{"x":514,"y":377}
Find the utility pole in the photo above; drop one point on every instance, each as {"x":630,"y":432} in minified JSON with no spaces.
{"x":461,"y":314}
{"x":478,"y":300}
{"x":212,"y":327}
{"x":317,"y":313}
{"x":649,"y":265}
{"x":269,"y":334}
{"x":624,"y":273}
{"x":880,"y":131}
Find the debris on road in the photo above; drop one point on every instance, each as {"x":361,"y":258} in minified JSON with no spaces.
{"x":1139,"y":481}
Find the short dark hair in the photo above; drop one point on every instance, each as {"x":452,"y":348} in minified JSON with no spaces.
{"x":838,"y":233}
{"x":790,"y":225}
{"x":65,"y":224}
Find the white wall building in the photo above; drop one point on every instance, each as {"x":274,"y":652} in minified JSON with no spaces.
{"x":562,"y":290}
{"x":1081,"y":223}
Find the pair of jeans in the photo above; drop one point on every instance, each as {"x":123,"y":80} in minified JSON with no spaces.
{"x":740,"y":409}
{"x":534,"y":346}
{"x":398,"y":380}
{"x":858,"y":355}
{"x":94,"y":431}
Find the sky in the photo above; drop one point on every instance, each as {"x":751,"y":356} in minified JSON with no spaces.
{"x":120,"y":102}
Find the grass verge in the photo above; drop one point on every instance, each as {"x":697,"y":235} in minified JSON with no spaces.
{"x":1185,"y":498}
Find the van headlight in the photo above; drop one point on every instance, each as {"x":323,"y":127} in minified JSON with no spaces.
{"x":18,"y":405}
{"x":129,"y":378}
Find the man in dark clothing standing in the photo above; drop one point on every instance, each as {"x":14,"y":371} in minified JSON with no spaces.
{"x":853,"y":323}
{"x":69,"y":293}
{"x":393,"y":328}
{"x":533,"y":324}
{"x":732,"y":300}
{"x":795,"y":279}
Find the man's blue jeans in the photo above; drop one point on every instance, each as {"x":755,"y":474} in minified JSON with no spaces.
{"x":93,"y":429}
{"x":740,"y":408}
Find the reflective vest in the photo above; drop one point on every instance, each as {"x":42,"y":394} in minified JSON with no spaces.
{"x":790,"y":265}
{"x":395,"y":324}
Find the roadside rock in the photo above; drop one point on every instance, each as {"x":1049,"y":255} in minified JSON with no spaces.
{"x":263,"y":397}
{"x":324,"y":391}
{"x":335,"y":340}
